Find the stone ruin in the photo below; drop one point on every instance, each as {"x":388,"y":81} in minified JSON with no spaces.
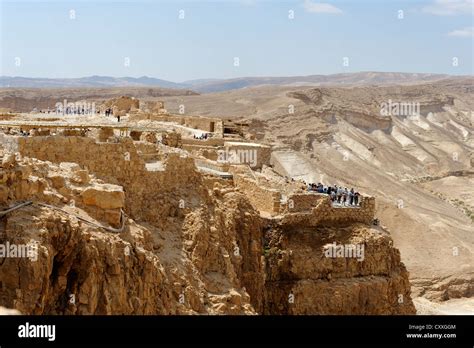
{"x":121,"y":105}
{"x":131,"y":220}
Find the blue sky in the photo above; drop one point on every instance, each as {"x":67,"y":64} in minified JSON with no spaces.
{"x":46,"y":39}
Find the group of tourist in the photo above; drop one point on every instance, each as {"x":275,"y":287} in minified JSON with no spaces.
{"x":338,"y":194}
{"x":203,"y":136}
{"x":73,"y":110}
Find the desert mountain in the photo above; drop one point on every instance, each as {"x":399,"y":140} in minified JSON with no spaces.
{"x":89,"y":81}
{"x":219,"y":85}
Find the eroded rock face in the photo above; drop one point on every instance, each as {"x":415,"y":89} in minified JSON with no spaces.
{"x":308,"y":273}
{"x":82,"y":270}
{"x":207,"y":259}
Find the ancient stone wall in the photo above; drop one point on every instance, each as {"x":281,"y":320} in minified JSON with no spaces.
{"x":208,"y":124}
{"x":119,"y":163}
{"x":66,"y":184}
{"x":324,"y":214}
{"x":254,"y":154}
{"x":209,"y":148}
{"x":221,"y":167}
{"x":205,"y":123}
{"x":208,"y":152}
{"x":122,"y":104}
{"x":262,"y":198}
{"x":301,"y":202}
{"x":115,"y":162}
{"x":148,"y":151}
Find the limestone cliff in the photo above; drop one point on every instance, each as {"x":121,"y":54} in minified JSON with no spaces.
{"x":301,"y":279}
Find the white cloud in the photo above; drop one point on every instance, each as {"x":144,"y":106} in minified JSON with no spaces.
{"x":466,"y":32}
{"x":319,"y":7}
{"x":450,"y":7}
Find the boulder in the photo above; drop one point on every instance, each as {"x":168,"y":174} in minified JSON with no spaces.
{"x":57,"y":180}
{"x":81,"y":176}
{"x":9,"y":160}
{"x":104,"y":196}
{"x":73,"y":167}
{"x":149,"y":137}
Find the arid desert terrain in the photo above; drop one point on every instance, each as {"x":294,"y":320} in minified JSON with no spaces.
{"x":406,"y":142}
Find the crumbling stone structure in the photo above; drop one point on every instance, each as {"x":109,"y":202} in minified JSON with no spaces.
{"x":304,"y":208}
{"x":153,"y":107}
{"x":172,"y":139}
{"x":253,"y":154}
{"x":208,"y":124}
{"x":117,"y":163}
{"x":60,"y":185}
{"x":262,"y":198}
{"x":121,"y":105}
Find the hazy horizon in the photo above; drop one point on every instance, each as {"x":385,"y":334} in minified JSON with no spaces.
{"x":235,"y":77}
